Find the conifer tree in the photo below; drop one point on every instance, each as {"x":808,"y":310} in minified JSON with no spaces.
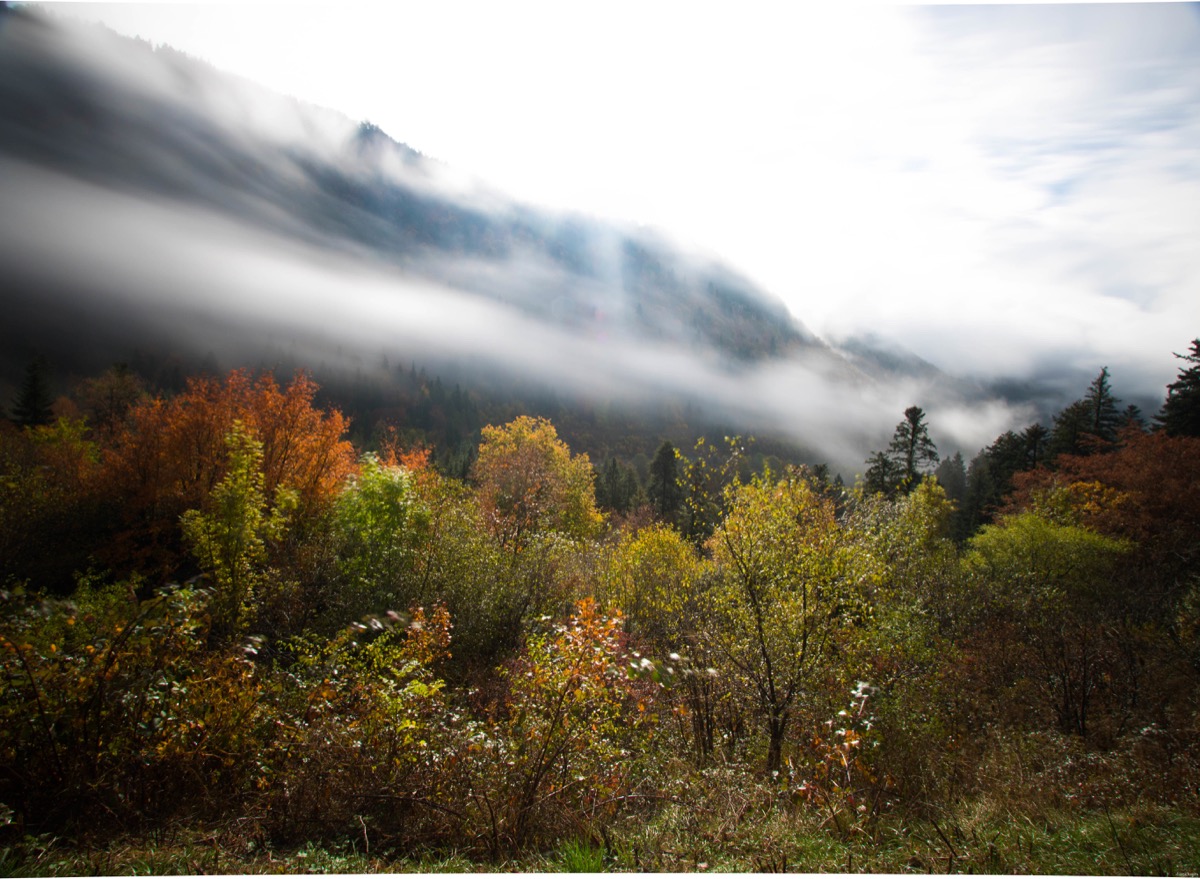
{"x":1132,"y":416}
{"x":1102,"y":407}
{"x":1035,"y":436}
{"x":911,"y":449}
{"x":663,"y":488}
{"x":882,"y":476}
{"x":1090,"y":421}
{"x":617,"y":487}
{"x":1180,"y":415}
{"x":32,"y":404}
{"x":951,"y":474}
{"x":909,"y":456}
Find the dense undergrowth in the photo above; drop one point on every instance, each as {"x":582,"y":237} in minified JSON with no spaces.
{"x":233,"y":643}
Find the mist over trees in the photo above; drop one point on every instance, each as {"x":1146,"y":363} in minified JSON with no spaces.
{"x":502,"y":583}
{"x":531,"y":654}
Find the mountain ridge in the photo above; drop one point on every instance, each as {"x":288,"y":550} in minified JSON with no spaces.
{"x":155,"y":196}
{"x":364,"y":189}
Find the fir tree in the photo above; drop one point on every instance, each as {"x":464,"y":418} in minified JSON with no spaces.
{"x":1102,"y":407}
{"x":952,"y":477}
{"x":1036,"y":437}
{"x":882,"y":476}
{"x":663,"y":488}
{"x":1089,"y":423}
{"x":1132,"y":416}
{"x":32,"y":404}
{"x":911,"y":449}
{"x":908,"y":457}
{"x":1180,"y":415}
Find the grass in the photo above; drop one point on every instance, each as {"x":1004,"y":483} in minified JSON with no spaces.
{"x":1136,"y":841}
{"x":577,"y":856}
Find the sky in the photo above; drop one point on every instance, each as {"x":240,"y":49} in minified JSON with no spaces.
{"x":1002,"y":189}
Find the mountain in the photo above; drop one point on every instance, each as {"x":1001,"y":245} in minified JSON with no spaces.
{"x":153,"y":201}
{"x":161,"y":124}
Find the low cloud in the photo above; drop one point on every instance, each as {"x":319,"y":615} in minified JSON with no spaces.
{"x":227,"y":241}
{"x":223,"y":286}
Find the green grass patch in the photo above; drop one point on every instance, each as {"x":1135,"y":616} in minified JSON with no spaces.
{"x":1151,"y":841}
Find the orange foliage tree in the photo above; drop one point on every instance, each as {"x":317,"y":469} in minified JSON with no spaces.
{"x":1147,"y":489}
{"x":172,"y":453}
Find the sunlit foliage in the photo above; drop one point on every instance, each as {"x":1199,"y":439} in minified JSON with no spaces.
{"x":529,"y":482}
{"x":171,"y":454}
{"x":782,"y":595}
{"x":366,"y":647}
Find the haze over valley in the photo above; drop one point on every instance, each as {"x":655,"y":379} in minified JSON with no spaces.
{"x":154,"y":201}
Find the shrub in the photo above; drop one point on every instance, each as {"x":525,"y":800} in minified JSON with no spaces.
{"x":109,"y":705}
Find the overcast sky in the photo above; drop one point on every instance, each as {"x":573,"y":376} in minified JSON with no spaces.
{"x":1004,"y":189}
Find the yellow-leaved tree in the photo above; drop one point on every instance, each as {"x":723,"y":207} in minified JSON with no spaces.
{"x":781,"y":596}
{"x":529,"y":482}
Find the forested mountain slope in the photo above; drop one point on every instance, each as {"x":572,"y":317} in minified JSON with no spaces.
{"x":157,"y":123}
{"x":157,"y":205}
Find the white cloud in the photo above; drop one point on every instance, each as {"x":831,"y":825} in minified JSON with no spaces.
{"x":1001,"y":188}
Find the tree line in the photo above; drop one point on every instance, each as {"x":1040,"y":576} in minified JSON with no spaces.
{"x":215,"y":608}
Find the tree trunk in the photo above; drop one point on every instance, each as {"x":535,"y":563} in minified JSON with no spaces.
{"x":776,"y":727}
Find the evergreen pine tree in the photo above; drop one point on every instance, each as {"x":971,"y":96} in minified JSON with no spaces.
{"x":32,"y":404}
{"x":951,"y":475}
{"x":1070,"y":430}
{"x":1088,"y":423}
{"x":882,"y":476}
{"x":1180,"y":415}
{"x":1132,"y":416}
{"x":911,"y":449}
{"x":981,"y":491}
{"x":1035,"y":437}
{"x":663,"y":487}
{"x":1102,"y":406}
{"x":617,"y":487}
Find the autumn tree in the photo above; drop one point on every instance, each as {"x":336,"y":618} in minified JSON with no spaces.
{"x":905,"y":564}
{"x":366,"y":728}
{"x":652,"y":577}
{"x":1157,"y":477}
{"x":781,"y":598}
{"x":171,"y":453}
{"x":560,"y":753}
{"x":53,"y":514}
{"x":659,"y":580}
{"x":1045,"y":591}
{"x":106,"y":400}
{"x":381,"y":524}
{"x":229,"y":536}
{"x":705,"y":479}
{"x":111,"y":708}
{"x":529,"y":482}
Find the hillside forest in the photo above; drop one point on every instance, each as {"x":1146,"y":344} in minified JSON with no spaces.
{"x":233,"y":640}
